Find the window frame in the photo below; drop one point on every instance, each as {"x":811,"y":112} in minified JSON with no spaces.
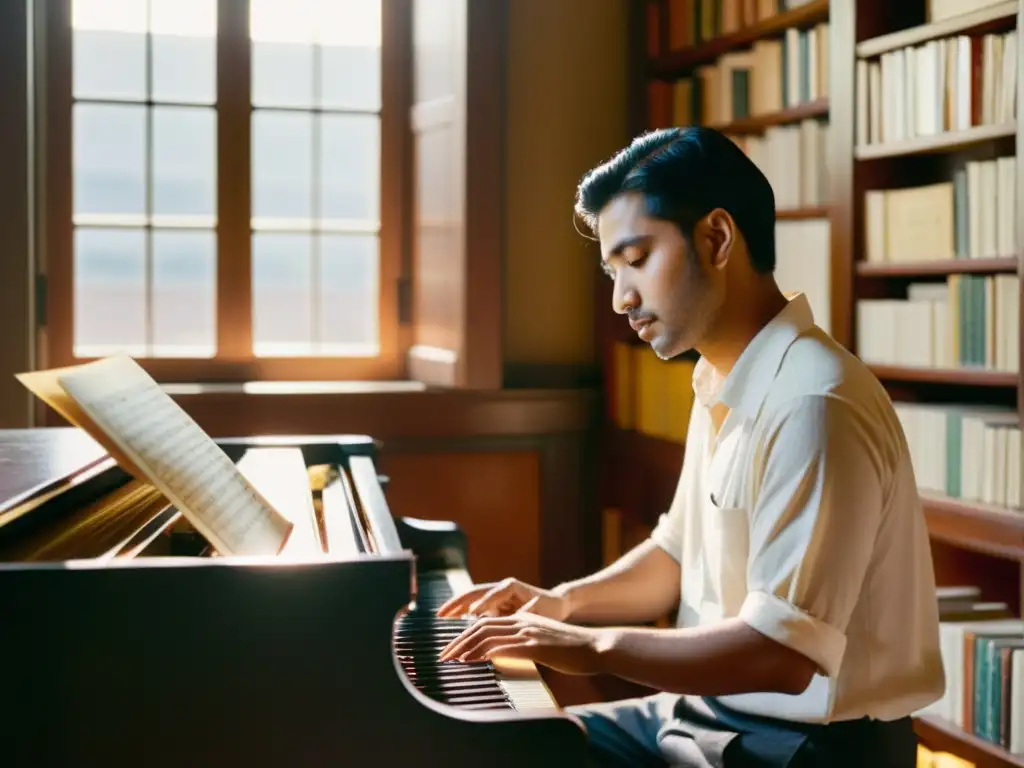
{"x":233,"y":361}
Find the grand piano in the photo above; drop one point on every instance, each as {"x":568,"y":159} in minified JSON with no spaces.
{"x":126,"y":641}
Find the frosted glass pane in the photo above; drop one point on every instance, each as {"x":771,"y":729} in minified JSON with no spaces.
{"x":350,"y":78}
{"x":350,"y":167}
{"x":294,"y":21}
{"x":109,"y":163}
{"x":184,"y":161}
{"x":282,"y":294}
{"x":350,"y":54}
{"x":108,"y":49}
{"x":109,"y":292}
{"x":349,"y":294}
{"x":282,"y":52}
{"x":184,"y":294}
{"x":282,"y":165}
{"x":353,"y":23}
{"x":282,"y":75}
{"x":184,"y":50}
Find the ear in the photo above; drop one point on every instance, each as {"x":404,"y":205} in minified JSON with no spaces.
{"x":719,"y":231}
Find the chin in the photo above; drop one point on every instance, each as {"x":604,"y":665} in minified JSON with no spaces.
{"x":667,"y":348}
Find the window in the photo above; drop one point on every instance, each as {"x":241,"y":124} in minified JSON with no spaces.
{"x":214,"y":186}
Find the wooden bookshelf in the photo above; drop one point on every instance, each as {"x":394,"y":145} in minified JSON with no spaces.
{"x":939,"y":267}
{"x":802,"y":214}
{"x":675,"y":62}
{"x":757,"y":124}
{"x":971,"y":542}
{"x":942,"y":736}
{"x":979,"y":527}
{"x":953,"y":141}
{"x":966,"y":377}
{"x":978,"y":22}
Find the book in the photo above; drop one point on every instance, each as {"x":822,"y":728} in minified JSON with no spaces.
{"x":152,"y":438}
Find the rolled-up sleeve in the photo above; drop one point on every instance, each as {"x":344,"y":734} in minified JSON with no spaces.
{"x":819,"y":495}
{"x":668,"y":533}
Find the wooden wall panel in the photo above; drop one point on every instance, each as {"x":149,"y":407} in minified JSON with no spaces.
{"x":458,"y":180}
{"x":567,"y":98}
{"x":494,"y":496}
{"x":16,"y":258}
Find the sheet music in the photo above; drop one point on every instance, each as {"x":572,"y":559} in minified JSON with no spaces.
{"x":178,"y":456}
{"x":46,"y":386}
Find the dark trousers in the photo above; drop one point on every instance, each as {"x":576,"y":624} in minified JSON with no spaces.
{"x":670,"y":730}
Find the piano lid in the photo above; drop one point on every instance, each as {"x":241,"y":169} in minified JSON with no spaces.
{"x":42,"y":459}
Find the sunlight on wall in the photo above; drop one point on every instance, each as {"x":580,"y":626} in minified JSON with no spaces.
{"x":566,"y":113}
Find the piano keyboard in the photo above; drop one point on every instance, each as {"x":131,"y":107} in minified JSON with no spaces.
{"x":420,"y":636}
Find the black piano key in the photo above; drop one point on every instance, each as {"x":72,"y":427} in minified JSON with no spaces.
{"x":463,"y":686}
{"x":429,"y":677}
{"x":420,"y":635}
{"x":482,"y":698}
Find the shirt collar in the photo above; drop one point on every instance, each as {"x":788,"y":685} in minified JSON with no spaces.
{"x":749,"y":381}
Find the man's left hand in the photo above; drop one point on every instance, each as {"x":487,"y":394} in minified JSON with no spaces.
{"x":563,"y":647}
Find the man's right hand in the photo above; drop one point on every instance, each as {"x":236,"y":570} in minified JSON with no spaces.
{"x":505,"y":598}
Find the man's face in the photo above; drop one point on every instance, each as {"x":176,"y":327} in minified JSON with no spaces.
{"x":668,"y":290}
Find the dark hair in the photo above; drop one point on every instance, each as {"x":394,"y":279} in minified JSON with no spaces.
{"x":684,"y":174}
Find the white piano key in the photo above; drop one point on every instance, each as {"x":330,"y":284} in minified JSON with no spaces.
{"x":519,"y":678}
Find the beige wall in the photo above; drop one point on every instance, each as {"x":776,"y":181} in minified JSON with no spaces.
{"x":567,"y":79}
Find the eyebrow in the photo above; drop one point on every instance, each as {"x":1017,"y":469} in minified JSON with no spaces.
{"x":620,"y":246}
{"x":627,"y":242}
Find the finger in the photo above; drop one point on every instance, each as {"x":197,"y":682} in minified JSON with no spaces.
{"x":457,"y":647}
{"x":493,"y":601}
{"x":481,"y":630}
{"x":529,"y":606}
{"x":459,"y":604}
{"x":482,"y":650}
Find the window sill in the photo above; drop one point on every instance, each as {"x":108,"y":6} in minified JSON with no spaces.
{"x":292,"y":388}
{"x":382,"y":409}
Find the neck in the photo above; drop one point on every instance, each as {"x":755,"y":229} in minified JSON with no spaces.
{"x":755,"y":310}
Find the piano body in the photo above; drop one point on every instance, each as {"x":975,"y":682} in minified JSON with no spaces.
{"x":125,"y":641}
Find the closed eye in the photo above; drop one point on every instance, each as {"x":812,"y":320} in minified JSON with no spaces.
{"x":636,"y":257}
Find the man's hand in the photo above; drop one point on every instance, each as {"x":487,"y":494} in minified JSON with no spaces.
{"x":505,"y":598}
{"x":563,"y":647}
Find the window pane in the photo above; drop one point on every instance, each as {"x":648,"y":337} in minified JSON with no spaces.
{"x":184,"y":294}
{"x":184,"y":161}
{"x":109,"y":49}
{"x":349,"y":290}
{"x":184,"y":50}
{"x":350,"y":36}
{"x":350,"y":167}
{"x":282,"y":52}
{"x":109,"y":159}
{"x":282,"y":165}
{"x":282,"y":294}
{"x":109,"y":292}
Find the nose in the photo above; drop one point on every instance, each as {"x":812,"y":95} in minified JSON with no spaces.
{"x":624,"y":297}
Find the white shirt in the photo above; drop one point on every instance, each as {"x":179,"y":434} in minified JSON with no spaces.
{"x":802,"y":517}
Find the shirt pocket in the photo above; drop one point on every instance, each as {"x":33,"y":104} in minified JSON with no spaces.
{"x":726,"y":552}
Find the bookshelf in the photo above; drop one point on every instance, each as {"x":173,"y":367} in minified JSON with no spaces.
{"x":977,"y":533}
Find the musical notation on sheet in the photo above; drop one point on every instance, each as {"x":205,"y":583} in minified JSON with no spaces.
{"x":181,"y":459}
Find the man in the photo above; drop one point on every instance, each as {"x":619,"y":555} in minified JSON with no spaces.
{"x":795,"y":549}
